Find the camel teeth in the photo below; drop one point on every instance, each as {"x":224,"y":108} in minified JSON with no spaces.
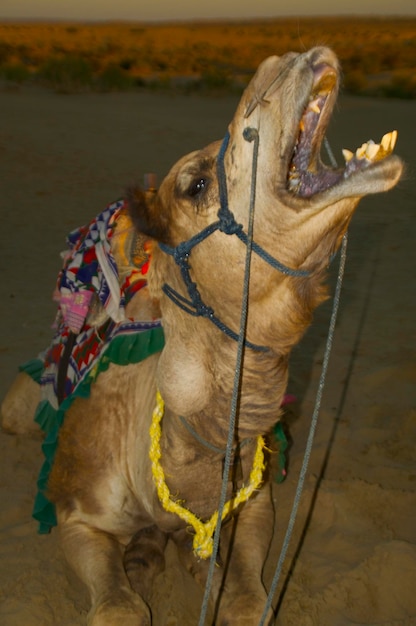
{"x":313,"y":106}
{"x":393,"y":139}
{"x":294,"y":181}
{"x":385,"y":142}
{"x":302,"y":126}
{"x":389,"y":141}
{"x":360,"y":152}
{"x":348,"y":155}
{"x":372,"y":151}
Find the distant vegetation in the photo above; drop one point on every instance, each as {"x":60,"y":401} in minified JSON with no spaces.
{"x":378,"y":56}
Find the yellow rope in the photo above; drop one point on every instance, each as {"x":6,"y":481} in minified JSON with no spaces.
{"x":203,"y":540}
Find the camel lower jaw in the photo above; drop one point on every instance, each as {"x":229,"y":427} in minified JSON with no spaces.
{"x":310,"y":181}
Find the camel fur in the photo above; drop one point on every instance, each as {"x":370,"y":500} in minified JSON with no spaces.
{"x":112,"y":525}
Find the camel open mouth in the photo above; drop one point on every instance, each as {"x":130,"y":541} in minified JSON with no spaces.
{"x":307,"y":174}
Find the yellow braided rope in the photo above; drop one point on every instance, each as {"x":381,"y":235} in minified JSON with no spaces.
{"x":203,"y":541}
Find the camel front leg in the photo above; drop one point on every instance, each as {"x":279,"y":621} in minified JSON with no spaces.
{"x":97,"y":558}
{"x":244,"y":548}
{"x":144,"y":559}
{"x":238,"y":595}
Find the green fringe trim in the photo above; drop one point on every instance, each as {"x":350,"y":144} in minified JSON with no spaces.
{"x":34,"y":368}
{"x":122,"y":350}
{"x":280,"y":437}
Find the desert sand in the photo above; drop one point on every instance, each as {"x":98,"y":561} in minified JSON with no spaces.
{"x":352,"y":560}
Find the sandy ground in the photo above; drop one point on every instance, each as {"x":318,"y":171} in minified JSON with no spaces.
{"x":353,"y":555}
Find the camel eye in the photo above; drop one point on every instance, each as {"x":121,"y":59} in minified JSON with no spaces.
{"x":197,"y":186}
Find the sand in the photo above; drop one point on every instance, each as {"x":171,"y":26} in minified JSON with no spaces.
{"x":352,"y":559}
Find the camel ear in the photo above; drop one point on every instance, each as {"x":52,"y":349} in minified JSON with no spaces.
{"x":146,"y":214}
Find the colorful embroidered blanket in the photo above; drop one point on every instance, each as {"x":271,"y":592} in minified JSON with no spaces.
{"x":103,"y":269}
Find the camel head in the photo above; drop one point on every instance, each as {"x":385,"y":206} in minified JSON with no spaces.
{"x":302,"y":207}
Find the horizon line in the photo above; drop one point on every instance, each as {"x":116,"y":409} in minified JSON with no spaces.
{"x":197,"y":20}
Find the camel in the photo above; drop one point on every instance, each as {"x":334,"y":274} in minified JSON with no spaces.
{"x":120,"y":493}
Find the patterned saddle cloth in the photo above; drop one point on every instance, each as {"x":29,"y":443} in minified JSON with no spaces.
{"x":104,"y":267}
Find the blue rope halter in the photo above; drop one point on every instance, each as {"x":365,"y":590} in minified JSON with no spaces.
{"x":227,"y":224}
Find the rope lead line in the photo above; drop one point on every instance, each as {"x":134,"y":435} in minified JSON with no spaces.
{"x":311,"y":435}
{"x":227,"y":224}
{"x":250,"y":135}
{"x":314,"y":420}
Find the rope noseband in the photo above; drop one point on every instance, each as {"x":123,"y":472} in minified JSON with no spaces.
{"x":228,"y":225}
